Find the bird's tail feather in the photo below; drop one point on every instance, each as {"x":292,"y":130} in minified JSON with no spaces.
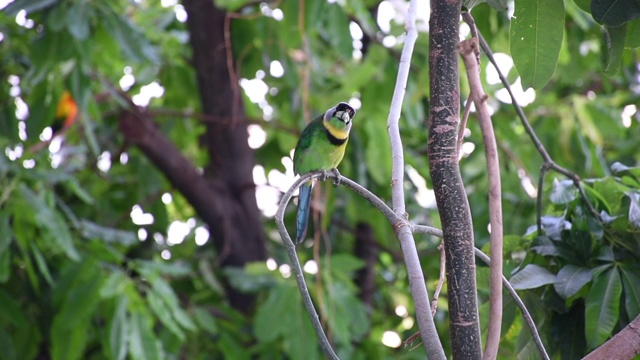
{"x":302,"y":219}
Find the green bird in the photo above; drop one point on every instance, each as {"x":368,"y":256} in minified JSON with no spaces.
{"x":320,"y":147}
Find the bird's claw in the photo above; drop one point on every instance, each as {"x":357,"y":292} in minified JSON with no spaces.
{"x":336,"y":179}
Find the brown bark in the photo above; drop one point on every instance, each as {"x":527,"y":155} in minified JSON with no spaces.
{"x":225,"y":196}
{"x":625,"y":345}
{"x":453,"y":206}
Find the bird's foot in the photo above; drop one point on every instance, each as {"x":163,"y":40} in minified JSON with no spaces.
{"x":336,"y":179}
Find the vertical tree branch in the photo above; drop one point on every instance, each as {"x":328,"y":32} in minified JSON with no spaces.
{"x":468,"y":51}
{"x":453,"y":206}
{"x":403,"y":229}
{"x":239,"y":238}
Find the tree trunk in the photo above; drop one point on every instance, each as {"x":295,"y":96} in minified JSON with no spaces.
{"x":238,"y":237}
{"x":455,"y":215}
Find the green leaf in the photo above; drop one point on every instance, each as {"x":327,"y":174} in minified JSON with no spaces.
{"x":5,"y":241}
{"x":68,"y":342}
{"x":51,"y":221}
{"x":29,"y":6}
{"x":168,"y":296}
{"x":206,"y":321}
{"x":535,"y":39}
{"x":132,"y":42}
{"x":500,"y":5}
{"x":584,"y":5}
{"x":90,"y":230}
{"x":531,"y":277}
{"x":41,"y":263}
{"x":602,"y":307}
{"x":634,"y":209}
{"x":614,"y":12}
{"x":563,"y":192}
{"x":78,"y":20}
{"x":633,"y":35}
{"x":631,"y":282}
{"x":6,"y":344}
{"x":11,"y":310}
{"x":571,"y":279}
{"x":143,"y":343}
{"x":164,"y":314}
{"x":615,"y":38}
{"x":118,"y":330}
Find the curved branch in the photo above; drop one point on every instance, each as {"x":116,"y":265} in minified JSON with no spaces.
{"x":396,"y":221}
{"x":548,"y":161}
{"x":468,"y":51}
{"x":404,"y":234}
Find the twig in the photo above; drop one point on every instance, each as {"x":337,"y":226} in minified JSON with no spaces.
{"x":463,"y":125}
{"x":543,"y":172}
{"x":548,"y":161}
{"x":436,"y":294}
{"x":419,"y":292}
{"x":525,"y":313}
{"x":468,"y":50}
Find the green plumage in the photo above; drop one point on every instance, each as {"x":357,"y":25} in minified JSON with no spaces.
{"x":321,"y":147}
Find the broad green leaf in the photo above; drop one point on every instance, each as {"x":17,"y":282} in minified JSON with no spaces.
{"x":6,"y":344}
{"x":614,"y":12}
{"x":631,"y":281}
{"x":615,"y":38}
{"x":634,"y":209}
{"x":563,"y":192}
{"x":571,"y":279}
{"x":143,"y":343}
{"x":51,"y":221}
{"x":78,"y":20}
{"x":5,"y":240}
{"x":115,"y":284}
{"x":168,"y":296}
{"x":531,"y":277}
{"x":11,"y":311}
{"x":118,"y":330}
{"x":29,"y":6}
{"x":164,"y":314}
{"x":535,"y":39}
{"x":633,"y":34}
{"x":206,"y":321}
{"x":602,"y":307}
{"x":68,"y":342}
{"x":90,"y":230}
{"x":41,"y":263}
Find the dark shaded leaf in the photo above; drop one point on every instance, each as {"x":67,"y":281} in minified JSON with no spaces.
{"x":602,"y":307}
{"x":29,"y":6}
{"x":615,"y":38}
{"x":570,"y":279}
{"x":614,"y":12}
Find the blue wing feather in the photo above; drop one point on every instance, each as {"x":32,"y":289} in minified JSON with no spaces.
{"x":304,"y":204}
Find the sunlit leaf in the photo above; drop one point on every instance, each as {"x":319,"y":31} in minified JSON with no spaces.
{"x":534,"y":46}
{"x":615,"y":38}
{"x":143,"y":343}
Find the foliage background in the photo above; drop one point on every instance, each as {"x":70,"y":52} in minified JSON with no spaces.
{"x":78,"y":281}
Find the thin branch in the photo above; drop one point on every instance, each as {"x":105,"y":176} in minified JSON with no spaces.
{"x":543,"y":172}
{"x":419,"y":292}
{"x":548,"y":161}
{"x":436,"y":294}
{"x":463,"y":125}
{"x":468,"y":51}
{"x":525,"y":313}
{"x":395,"y":221}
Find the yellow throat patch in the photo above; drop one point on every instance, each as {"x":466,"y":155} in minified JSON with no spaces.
{"x":340,"y":134}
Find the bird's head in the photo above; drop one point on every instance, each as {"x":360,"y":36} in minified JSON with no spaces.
{"x":343,"y":112}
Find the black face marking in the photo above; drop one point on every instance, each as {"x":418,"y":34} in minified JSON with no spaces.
{"x":334,"y":140}
{"x":344,"y":107}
